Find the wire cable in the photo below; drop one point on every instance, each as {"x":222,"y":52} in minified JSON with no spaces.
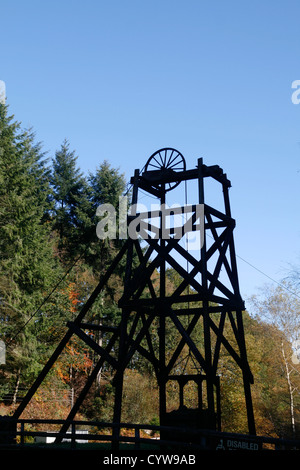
{"x":45,"y":299}
{"x":269,"y":277}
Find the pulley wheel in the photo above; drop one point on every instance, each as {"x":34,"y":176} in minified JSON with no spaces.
{"x":166,"y":160}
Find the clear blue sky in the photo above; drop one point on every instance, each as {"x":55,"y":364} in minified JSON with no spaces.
{"x":120,"y":79}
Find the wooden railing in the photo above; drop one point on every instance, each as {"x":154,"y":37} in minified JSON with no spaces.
{"x":16,"y":432}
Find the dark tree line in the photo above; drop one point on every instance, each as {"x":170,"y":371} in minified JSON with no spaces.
{"x":47,"y":222}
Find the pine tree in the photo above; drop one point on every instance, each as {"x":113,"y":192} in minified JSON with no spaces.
{"x":106,"y":186}
{"x":71,"y":203}
{"x":26,"y":257}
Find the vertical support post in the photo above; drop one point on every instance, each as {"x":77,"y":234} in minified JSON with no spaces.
{"x":73,"y":436}
{"x":119,"y":377}
{"x":240,"y":326}
{"x":162,"y":319}
{"x":206,"y":327}
{"x":137,"y":444}
{"x":234,"y":280}
{"x":22,"y":433}
{"x":246,"y":379}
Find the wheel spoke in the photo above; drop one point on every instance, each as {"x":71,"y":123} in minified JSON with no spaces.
{"x":162,"y":160}
{"x":165,"y":159}
{"x":173,"y":160}
{"x":170,"y":157}
{"x":158,"y":163}
{"x":177,"y":165}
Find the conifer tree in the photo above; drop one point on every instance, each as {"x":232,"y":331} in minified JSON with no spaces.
{"x":26,"y":257}
{"x":71,"y":209}
{"x":106,"y":186}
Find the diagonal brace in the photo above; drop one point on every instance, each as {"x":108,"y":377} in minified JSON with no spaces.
{"x":90,"y":342}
